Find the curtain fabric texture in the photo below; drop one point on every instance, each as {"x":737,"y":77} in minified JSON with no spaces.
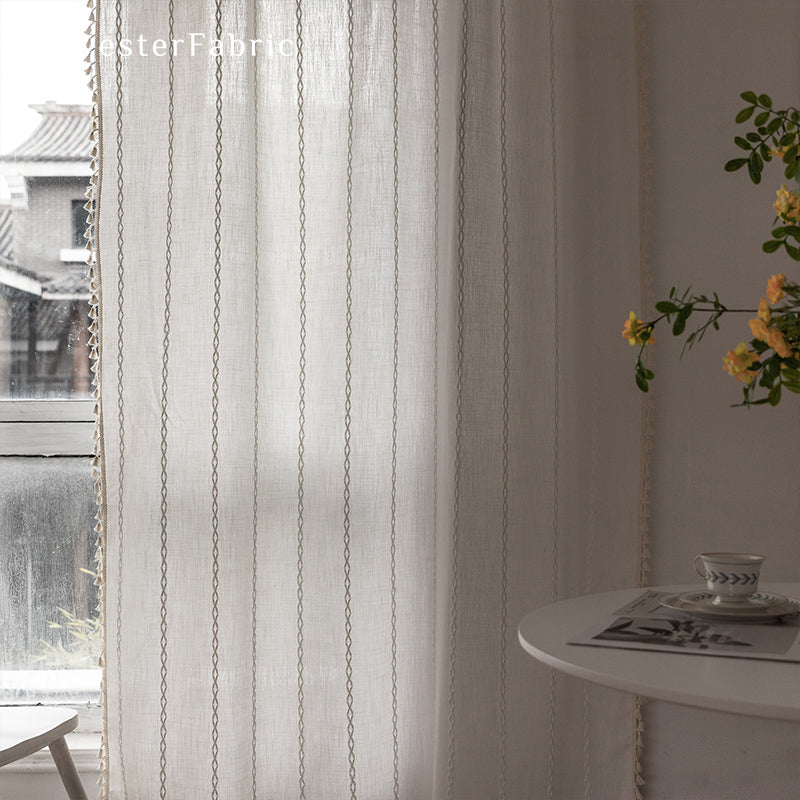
{"x":355,"y":264}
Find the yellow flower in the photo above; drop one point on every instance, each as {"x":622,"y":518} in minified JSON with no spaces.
{"x":739,"y":361}
{"x":772,"y":336}
{"x":764,"y":311}
{"x":759,"y":329}
{"x":782,"y":152}
{"x":775,"y":288}
{"x":636,"y":332}
{"x":776,"y":341}
{"x":787,"y":205}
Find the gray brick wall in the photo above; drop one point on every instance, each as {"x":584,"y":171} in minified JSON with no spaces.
{"x":45,"y":228}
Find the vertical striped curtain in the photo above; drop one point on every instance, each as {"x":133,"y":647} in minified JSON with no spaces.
{"x":356,"y":268}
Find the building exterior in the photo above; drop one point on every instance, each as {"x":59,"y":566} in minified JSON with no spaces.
{"x":44,"y":285}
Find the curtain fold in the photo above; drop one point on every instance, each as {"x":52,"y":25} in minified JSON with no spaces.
{"x":355,"y":282}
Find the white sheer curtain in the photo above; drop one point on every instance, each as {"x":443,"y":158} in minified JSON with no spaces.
{"x":355,"y":299}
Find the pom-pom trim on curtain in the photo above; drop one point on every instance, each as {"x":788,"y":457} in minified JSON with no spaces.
{"x":333,"y":455}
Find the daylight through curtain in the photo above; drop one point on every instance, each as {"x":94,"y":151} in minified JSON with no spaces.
{"x":352,"y":262}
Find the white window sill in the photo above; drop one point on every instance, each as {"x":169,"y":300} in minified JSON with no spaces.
{"x":22,"y":687}
{"x":73,"y":255}
{"x":46,"y":428}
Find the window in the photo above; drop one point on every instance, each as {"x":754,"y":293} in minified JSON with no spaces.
{"x":49,"y":639}
{"x":45,"y":345}
{"x":79,"y":214}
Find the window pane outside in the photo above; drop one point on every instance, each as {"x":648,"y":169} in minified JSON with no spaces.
{"x":79,"y":225}
{"x":48,"y":598}
{"x":44,"y":285}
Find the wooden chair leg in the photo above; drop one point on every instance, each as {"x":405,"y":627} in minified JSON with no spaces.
{"x":66,"y":769}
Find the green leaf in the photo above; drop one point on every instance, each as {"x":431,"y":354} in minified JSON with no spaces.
{"x":774,"y":125}
{"x":745,"y":114}
{"x":642,"y":371}
{"x":665,"y":307}
{"x":787,"y":139}
{"x":765,"y":100}
{"x":641,"y":382}
{"x":740,"y":141}
{"x":679,"y":326}
{"x":754,"y":170}
{"x":775,"y":395}
{"x":791,"y":376}
{"x":753,"y":137}
{"x":734,"y":164}
{"x":794,"y":252}
{"x":761,"y":119}
{"x":772,"y":245}
{"x":773,"y":367}
{"x":749,"y":97}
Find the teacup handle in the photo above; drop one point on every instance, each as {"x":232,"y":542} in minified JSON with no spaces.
{"x":701,"y":573}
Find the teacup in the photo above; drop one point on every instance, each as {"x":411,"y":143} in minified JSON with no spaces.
{"x":730,"y":577}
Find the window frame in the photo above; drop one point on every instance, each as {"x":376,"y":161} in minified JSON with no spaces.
{"x":79,"y":224}
{"x":46,"y":427}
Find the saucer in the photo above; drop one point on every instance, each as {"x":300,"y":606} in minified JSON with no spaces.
{"x":756,"y":608}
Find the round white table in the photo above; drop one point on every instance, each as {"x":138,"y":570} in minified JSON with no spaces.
{"x":740,"y":685}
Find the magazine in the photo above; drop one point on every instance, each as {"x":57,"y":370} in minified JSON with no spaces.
{"x":645,"y":624}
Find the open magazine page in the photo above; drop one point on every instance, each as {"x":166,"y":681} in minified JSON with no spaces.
{"x":644,"y":624}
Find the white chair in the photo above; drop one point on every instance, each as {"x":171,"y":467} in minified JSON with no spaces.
{"x":27,"y":729}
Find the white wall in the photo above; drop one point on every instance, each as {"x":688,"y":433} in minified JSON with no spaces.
{"x":724,"y":478}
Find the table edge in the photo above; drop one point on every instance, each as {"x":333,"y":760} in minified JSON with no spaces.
{"x":631,"y":686}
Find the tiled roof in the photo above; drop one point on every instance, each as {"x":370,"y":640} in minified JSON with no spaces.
{"x":52,"y":315}
{"x":53,"y":320}
{"x":6,"y":232}
{"x":72,"y":285}
{"x":8,"y":264}
{"x":62,"y":135}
